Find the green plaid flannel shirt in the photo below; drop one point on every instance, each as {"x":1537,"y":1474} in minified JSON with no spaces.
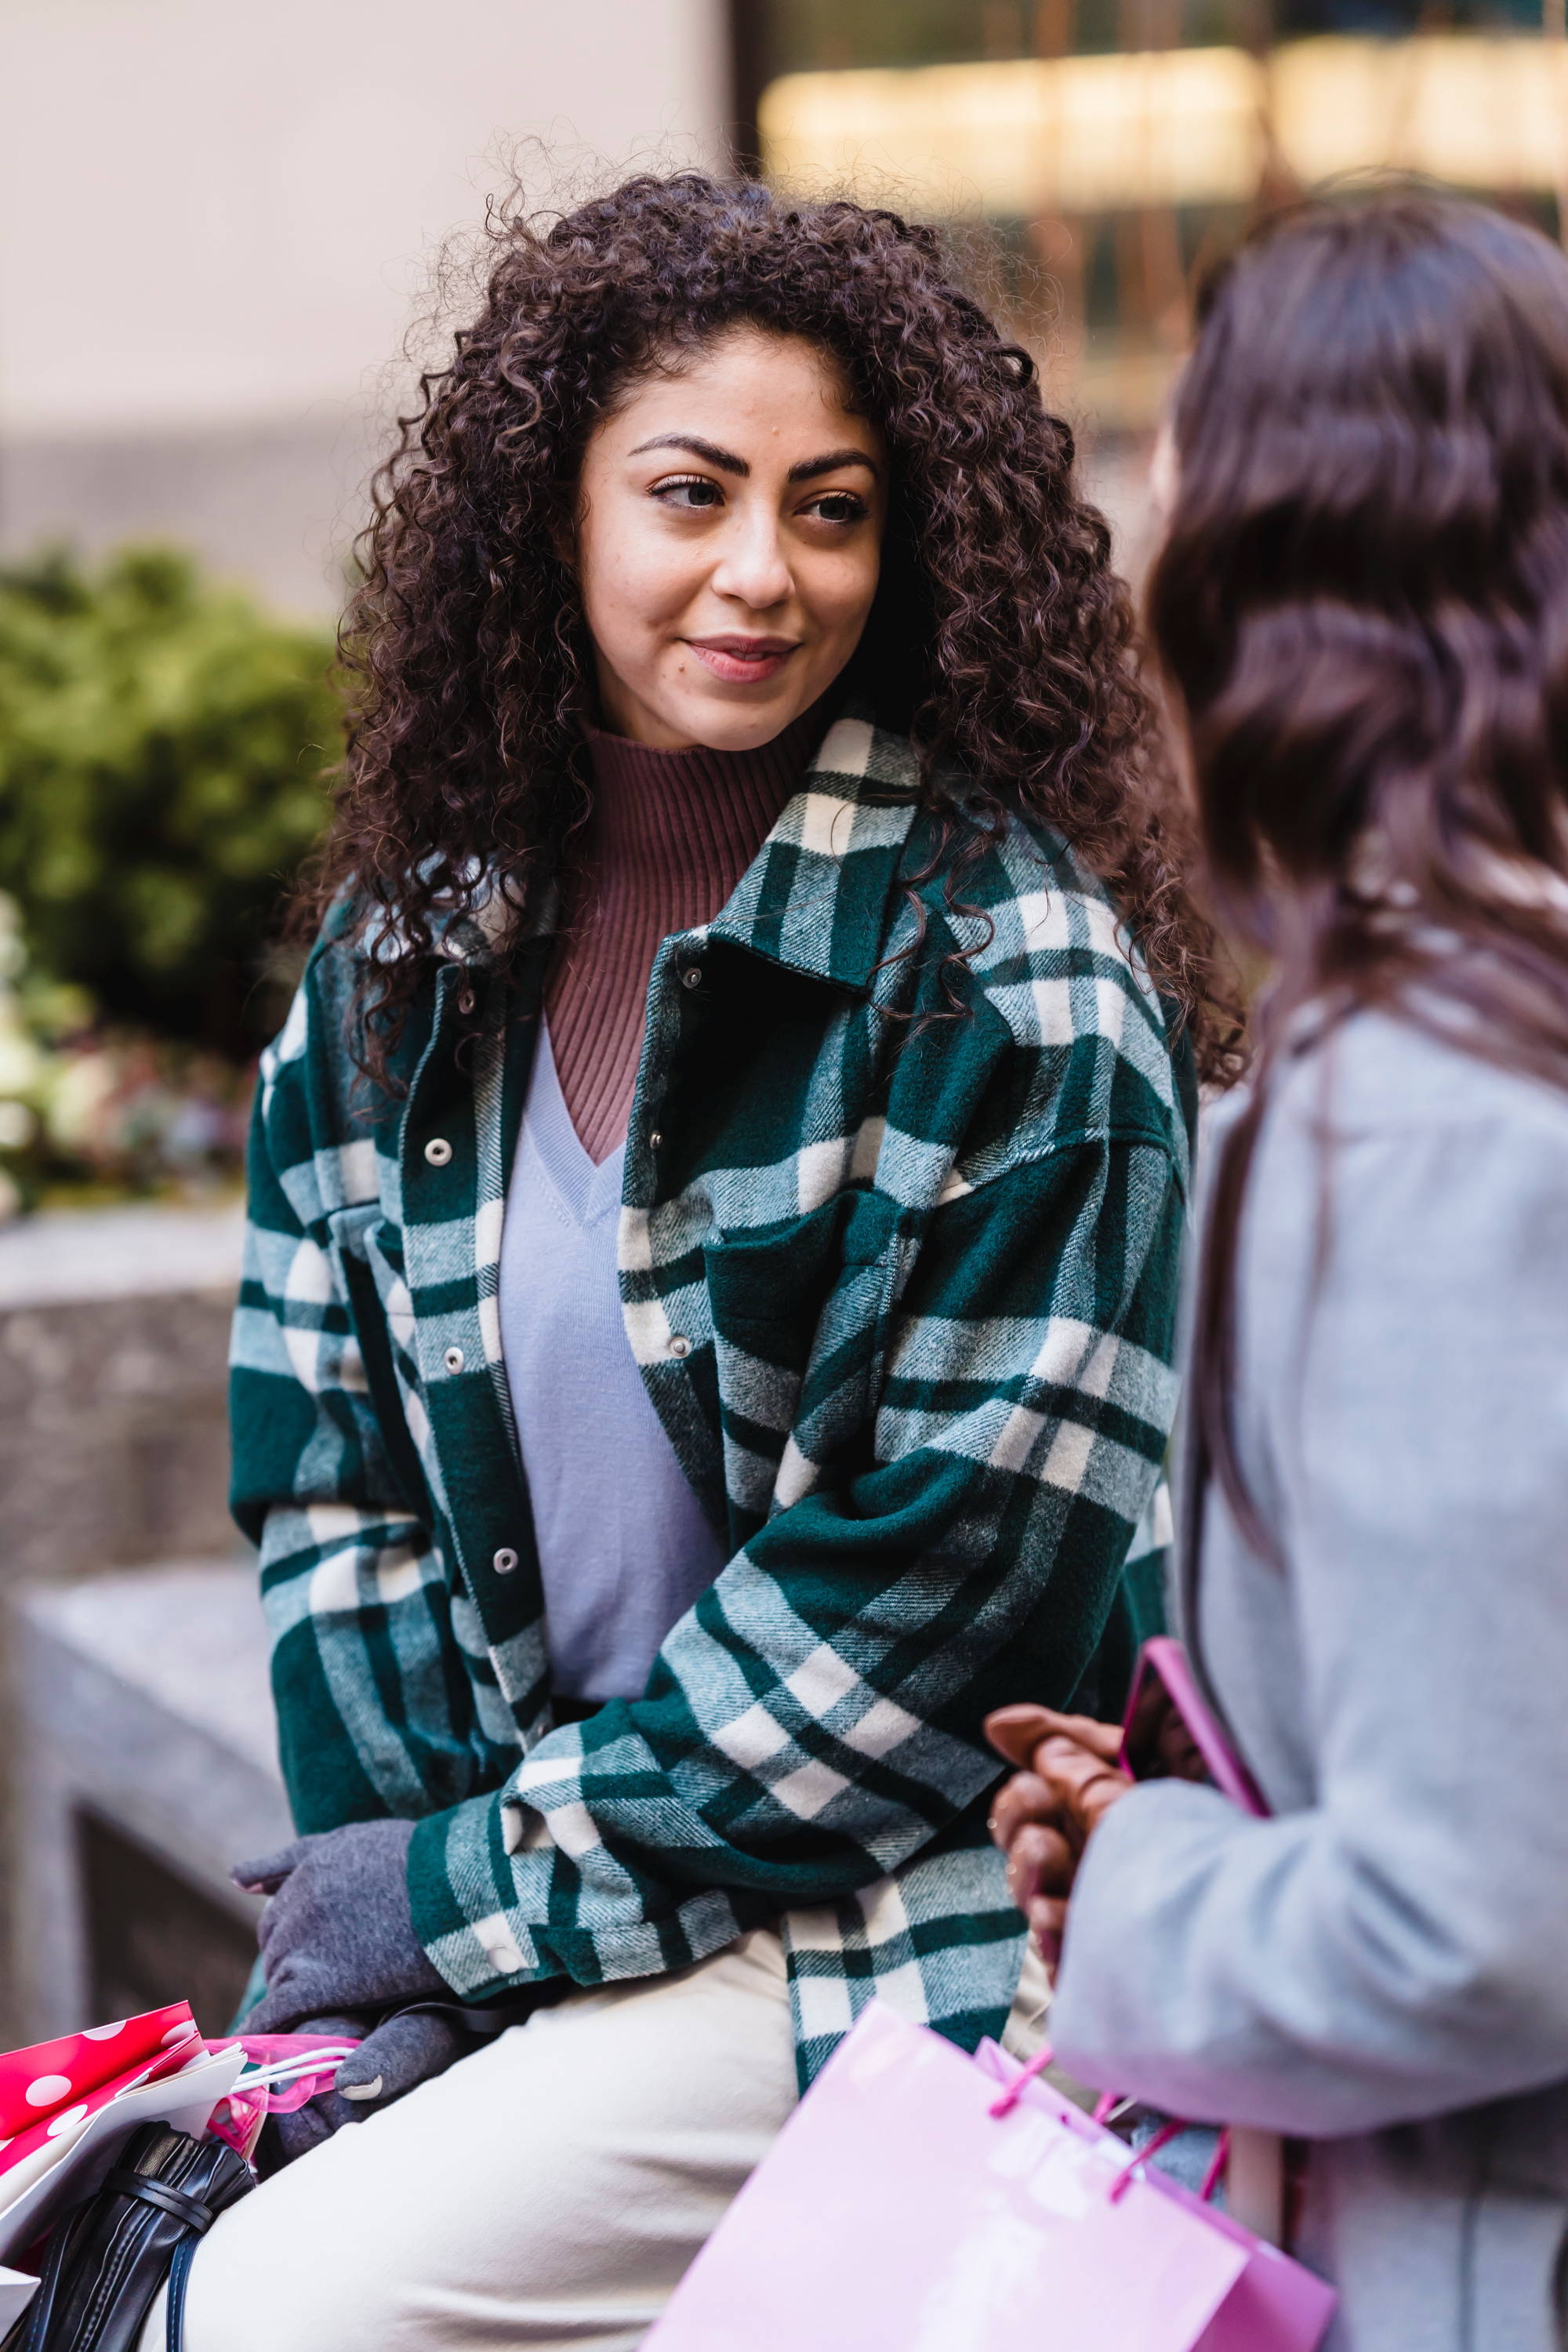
{"x":903,"y":1291}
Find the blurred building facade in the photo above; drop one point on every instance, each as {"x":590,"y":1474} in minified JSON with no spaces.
{"x":1114,"y":147}
{"x":216,"y":221}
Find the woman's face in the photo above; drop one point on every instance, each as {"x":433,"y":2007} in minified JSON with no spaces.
{"x":729,"y":539}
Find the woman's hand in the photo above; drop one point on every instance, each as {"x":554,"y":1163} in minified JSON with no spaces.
{"x":396,"y":2054}
{"x":1046,"y":1814}
{"x":337,"y":1933}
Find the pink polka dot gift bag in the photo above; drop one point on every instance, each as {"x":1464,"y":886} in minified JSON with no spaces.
{"x":46,"y":2092}
{"x":69,"y":2108}
{"x":66,"y":2108}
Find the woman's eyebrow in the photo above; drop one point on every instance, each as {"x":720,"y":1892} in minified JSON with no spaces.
{"x":725,"y":459}
{"x":809,"y":467}
{"x":728,"y":463}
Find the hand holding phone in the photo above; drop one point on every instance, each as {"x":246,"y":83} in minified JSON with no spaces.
{"x":1075,"y":1770}
{"x":1045,"y":1815}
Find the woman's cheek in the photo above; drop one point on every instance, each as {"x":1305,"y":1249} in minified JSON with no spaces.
{"x":864,"y":576}
{"x":839,"y":597}
{"x":633,"y":617}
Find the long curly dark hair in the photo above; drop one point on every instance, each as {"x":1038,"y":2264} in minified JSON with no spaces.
{"x":1001,"y":637}
{"x":1363,"y":606}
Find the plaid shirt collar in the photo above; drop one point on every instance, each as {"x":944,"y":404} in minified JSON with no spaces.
{"x":822,"y":913}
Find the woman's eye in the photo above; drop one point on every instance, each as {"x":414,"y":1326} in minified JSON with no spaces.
{"x":838,"y":506}
{"x":688,"y":493}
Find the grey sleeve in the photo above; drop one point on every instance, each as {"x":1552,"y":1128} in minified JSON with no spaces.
{"x":1400,"y":1949}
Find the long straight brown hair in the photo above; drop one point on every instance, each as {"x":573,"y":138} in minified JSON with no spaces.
{"x":1362,"y":605}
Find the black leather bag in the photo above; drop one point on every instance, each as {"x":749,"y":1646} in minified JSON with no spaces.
{"x":110,"y":2255}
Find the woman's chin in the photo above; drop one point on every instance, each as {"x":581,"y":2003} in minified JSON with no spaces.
{"x":738,"y":719}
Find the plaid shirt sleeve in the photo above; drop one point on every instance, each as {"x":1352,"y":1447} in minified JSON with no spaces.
{"x":815,"y":1721}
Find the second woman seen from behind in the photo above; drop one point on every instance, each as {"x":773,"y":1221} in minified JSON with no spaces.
{"x":1362,"y":603}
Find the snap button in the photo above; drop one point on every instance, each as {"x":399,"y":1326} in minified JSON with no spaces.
{"x":654,"y":1139}
{"x":679,"y":1345}
{"x":438,"y":1152}
{"x":692,"y":976}
{"x":504,"y":1561}
{"x":453,"y":1360}
{"x":466,"y":1001}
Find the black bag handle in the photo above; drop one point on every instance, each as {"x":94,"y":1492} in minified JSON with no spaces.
{"x":188,"y":2210}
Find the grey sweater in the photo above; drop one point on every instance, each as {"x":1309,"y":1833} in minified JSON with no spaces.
{"x":1382,"y":1968}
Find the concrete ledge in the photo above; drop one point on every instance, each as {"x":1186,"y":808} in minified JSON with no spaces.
{"x":141,"y":1701}
{"x":113,"y":1449}
{"x":135,"y":1252}
{"x":113,"y":1367}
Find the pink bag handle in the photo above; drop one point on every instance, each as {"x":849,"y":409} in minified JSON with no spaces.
{"x":1008,"y":2099}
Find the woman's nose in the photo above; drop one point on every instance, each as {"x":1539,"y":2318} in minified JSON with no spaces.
{"x":752,"y":567}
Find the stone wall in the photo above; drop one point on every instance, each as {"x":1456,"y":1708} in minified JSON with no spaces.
{"x":113,"y":1451}
{"x":145,"y":1765}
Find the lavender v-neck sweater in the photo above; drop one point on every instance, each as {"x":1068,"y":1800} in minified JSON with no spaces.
{"x":623,"y":1547}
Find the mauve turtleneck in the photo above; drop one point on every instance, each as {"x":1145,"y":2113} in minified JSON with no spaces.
{"x":671,"y":835}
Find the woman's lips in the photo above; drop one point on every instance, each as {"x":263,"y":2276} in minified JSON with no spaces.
{"x":739,"y":662}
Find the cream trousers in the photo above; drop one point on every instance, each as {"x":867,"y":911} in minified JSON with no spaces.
{"x":546,"y":2191}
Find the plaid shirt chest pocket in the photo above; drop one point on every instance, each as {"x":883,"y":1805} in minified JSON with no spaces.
{"x":800,"y":1315}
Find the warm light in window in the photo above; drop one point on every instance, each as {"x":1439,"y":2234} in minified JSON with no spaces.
{"x":1179,"y":126}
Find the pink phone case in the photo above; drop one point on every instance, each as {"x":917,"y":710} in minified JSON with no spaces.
{"x":1167,"y":1661}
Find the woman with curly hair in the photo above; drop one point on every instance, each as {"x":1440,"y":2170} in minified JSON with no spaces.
{"x":1363,"y":601}
{"x":716,"y":1205}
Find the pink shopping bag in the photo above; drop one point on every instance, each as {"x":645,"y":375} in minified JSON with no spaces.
{"x":49,"y":2088}
{"x":1275,"y":2305}
{"x":908,"y":2207}
{"x":66,"y":2108}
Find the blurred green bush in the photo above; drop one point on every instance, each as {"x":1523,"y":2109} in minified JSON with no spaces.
{"x":163,"y":747}
{"x":92,"y":1113}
